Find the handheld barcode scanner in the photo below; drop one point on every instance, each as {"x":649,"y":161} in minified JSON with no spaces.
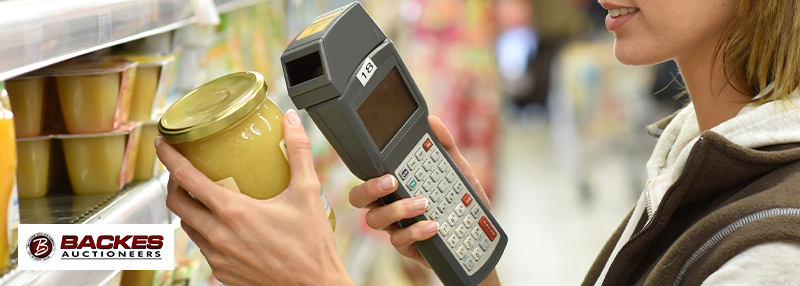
{"x":350,"y":78}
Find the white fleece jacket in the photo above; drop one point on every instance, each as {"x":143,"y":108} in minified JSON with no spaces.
{"x":755,"y":126}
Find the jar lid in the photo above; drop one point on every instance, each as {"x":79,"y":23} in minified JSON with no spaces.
{"x":212,"y":107}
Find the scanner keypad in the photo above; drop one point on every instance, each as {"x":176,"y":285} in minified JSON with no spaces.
{"x":463,"y":227}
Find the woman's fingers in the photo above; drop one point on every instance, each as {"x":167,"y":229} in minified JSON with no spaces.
{"x":191,"y":179}
{"x":381,"y":217}
{"x":419,"y":231}
{"x":186,"y":207}
{"x":199,"y":240}
{"x":372,"y":190}
{"x":298,"y":148}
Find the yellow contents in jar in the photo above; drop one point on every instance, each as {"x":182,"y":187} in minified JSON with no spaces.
{"x":33,"y":168}
{"x":26,"y":95}
{"x":144,"y":92}
{"x":89,"y":102}
{"x":94,"y":163}
{"x":8,"y":167}
{"x":146,"y":157}
{"x":248,"y":152}
{"x":229,"y":130}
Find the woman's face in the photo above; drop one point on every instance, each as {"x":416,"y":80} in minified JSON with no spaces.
{"x":653,"y":31}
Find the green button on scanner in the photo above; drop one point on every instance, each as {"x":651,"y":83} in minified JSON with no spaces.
{"x":412,"y":184}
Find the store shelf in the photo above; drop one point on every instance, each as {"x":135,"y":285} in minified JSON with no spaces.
{"x":138,"y":203}
{"x":58,"y":277}
{"x":35,"y":33}
{"x":143,"y":203}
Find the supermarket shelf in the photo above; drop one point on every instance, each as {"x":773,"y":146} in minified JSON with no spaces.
{"x":39,"y":33}
{"x":138,"y":203}
{"x":143,"y":203}
{"x":59,"y":277}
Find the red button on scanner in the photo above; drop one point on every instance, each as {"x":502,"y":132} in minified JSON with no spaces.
{"x":467,"y":199}
{"x":427,"y":145}
{"x":488,"y":228}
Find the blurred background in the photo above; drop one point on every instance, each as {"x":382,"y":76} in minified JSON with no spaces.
{"x":551,"y":123}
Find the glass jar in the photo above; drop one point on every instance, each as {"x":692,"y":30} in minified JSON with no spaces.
{"x":232,"y":132}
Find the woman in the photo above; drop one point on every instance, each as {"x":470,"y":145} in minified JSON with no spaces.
{"x":721,"y":206}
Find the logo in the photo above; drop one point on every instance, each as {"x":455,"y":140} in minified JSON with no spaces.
{"x":96,"y":247}
{"x":40,"y":246}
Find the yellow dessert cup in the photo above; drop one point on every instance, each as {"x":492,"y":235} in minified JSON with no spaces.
{"x":137,"y":277}
{"x":144,"y":92}
{"x":26,"y":95}
{"x":94,"y":163}
{"x":33,"y":167}
{"x":146,"y":156}
{"x":89,"y":102}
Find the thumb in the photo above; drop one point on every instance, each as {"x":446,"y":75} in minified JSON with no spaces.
{"x":298,"y":152}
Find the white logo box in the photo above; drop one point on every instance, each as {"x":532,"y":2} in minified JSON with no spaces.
{"x":102,"y":247}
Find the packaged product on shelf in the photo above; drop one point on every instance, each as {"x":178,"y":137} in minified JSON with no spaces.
{"x":137,"y":277}
{"x":150,"y":87}
{"x":95,"y":97}
{"x":9,"y":203}
{"x":33,"y":167}
{"x":26,"y":95}
{"x":101,"y":163}
{"x":233,"y":133}
{"x":147,"y":164}
{"x":146,"y":278}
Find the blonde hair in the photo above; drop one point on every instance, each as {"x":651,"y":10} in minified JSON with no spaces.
{"x":761,"y":46}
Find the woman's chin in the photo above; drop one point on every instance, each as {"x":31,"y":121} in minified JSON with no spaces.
{"x":636,"y":55}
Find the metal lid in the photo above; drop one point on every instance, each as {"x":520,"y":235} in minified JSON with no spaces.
{"x":212,"y":107}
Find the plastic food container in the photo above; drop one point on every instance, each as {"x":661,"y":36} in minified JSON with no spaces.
{"x":33,"y":167}
{"x":233,"y":133}
{"x":138,"y":277}
{"x":26,"y":95}
{"x":94,"y":163}
{"x":144,"y":92}
{"x":88,"y":102}
{"x":147,"y":165}
{"x":95,"y":97}
{"x":150,"y":86}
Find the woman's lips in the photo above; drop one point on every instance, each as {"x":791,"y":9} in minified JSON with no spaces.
{"x":614,"y":23}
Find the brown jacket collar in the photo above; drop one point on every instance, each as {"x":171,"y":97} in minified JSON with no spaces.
{"x":717,"y":170}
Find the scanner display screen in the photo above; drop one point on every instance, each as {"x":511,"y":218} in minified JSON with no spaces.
{"x":386,"y":108}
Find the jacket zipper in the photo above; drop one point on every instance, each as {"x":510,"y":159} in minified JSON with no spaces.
{"x":652,"y":214}
{"x":647,"y":203}
{"x":719,"y":236}
{"x":689,"y":159}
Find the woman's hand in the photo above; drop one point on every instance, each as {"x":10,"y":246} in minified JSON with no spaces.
{"x":384,"y":218}
{"x":281,"y":241}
